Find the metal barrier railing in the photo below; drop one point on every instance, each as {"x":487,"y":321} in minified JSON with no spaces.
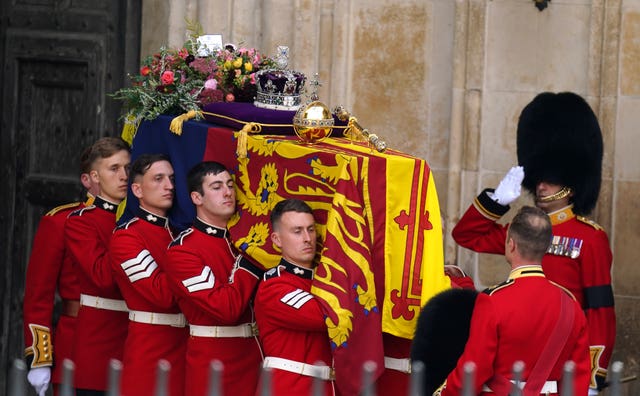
{"x":18,"y":383}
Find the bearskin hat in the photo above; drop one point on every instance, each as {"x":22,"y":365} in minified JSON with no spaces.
{"x":441,"y":334}
{"x":559,"y":141}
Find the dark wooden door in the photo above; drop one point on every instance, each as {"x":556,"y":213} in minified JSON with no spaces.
{"x":60,"y":60}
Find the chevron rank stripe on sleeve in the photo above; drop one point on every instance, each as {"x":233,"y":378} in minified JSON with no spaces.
{"x":203,"y":281}
{"x":139,"y":267}
{"x":296,"y":298}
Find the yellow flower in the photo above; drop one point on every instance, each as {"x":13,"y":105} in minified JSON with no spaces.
{"x":248,"y":66}
{"x":227,"y":65}
{"x":237,"y":63}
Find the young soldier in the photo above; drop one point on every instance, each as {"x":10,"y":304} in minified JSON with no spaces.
{"x":102,"y":318}
{"x":214,"y":287}
{"x":290,"y":319}
{"x":49,"y":271}
{"x":138,"y":253}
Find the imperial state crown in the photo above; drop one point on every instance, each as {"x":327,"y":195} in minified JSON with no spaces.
{"x":279,"y":88}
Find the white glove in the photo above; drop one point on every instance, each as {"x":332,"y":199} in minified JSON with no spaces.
{"x":593,"y":392}
{"x":510,"y":186}
{"x":39,"y":378}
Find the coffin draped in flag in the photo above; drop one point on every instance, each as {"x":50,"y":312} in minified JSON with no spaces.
{"x":379,"y":222}
{"x":380,"y":255}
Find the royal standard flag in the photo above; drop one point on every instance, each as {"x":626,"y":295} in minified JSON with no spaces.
{"x":380,"y":254}
{"x":379,"y":222}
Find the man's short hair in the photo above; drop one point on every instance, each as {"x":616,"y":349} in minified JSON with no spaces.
{"x":142,"y":164}
{"x":288,"y":205}
{"x":103,"y":148}
{"x":196,"y":175}
{"x":85,"y":164}
{"x":531,"y":230}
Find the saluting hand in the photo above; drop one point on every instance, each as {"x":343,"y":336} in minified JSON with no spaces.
{"x":510,"y":187}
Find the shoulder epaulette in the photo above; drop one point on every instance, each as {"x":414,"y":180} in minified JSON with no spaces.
{"x":499,"y":286}
{"x":179,"y":239}
{"x":590,"y":222}
{"x":60,"y":208}
{"x":272,"y":273}
{"x":80,"y":212}
{"x":563,"y":288}
{"x":126,"y":224}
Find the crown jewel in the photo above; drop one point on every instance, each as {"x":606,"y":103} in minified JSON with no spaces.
{"x":280,"y":88}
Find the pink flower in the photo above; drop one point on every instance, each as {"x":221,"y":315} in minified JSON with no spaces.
{"x":167,"y":77}
{"x":183,"y":53}
{"x":145,"y":70}
{"x":229,"y":98}
{"x":211,"y":84}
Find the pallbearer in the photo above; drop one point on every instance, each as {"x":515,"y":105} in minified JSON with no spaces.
{"x":215,"y":285}
{"x":51,"y":271}
{"x":102,"y":318}
{"x":138,"y":255}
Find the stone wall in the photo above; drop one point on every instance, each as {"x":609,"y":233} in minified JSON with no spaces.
{"x":445,"y":80}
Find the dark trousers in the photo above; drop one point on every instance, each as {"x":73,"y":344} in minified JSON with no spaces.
{"x":89,"y":392}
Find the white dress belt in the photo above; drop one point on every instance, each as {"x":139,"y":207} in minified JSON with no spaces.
{"x":156,"y":318}
{"x":245,"y":330}
{"x":103,"y":303}
{"x":403,"y":365}
{"x":548,"y":387}
{"x":311,"y":370}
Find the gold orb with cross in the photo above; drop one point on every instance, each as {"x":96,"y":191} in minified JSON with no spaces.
{"x":313,"y":122}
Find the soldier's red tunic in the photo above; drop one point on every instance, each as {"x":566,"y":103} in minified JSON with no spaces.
{"x":291,"y":326}
{"x":396,"y":376}
{"x":101,"y":330}
{"x":157,"y":329}
{"x":579,"y":259}
{"x":513,"y":322}
{"x":215,"y":297}
{"x":50,"y":270}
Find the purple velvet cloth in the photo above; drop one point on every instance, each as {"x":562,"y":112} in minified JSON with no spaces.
{"x":247,"y":112}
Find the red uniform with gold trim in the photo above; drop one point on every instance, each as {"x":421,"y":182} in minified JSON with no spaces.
{"x":396,"y":380}
{"x":291,"y":326}
{"x":200,"y":264}
{"x":579,"y":259}
{"x":100,"y":332}
{"x":138,"y":255}
{"x":514,"y":321}
{"x":50,"y":270}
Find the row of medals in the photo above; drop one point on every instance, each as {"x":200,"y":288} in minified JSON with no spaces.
{"x":565,"y":246}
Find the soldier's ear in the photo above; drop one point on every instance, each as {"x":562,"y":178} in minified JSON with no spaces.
{"x":85,"y":179}
{"x":95,"y":177}
{"x":196,"y":198}
{"x":511,"y":244}
{"x":136,"y":189}
{"x":275,"y":238}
